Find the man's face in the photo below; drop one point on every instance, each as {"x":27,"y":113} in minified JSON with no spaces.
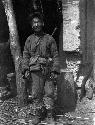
{"x":37,"y":24}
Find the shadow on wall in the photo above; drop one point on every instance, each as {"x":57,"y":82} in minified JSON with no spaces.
{"x":67,"y":96}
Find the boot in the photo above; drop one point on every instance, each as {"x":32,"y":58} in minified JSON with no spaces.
{"x":36,"y":112}
{"x":35,"y":120}
{"x":50,"y":118}
{"x":36,"y":117}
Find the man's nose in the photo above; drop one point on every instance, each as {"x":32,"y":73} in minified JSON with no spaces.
{"x":36,"y":24}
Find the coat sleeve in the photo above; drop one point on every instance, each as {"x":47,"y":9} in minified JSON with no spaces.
{"x":26,"y":56}
{"x":55,"y":56}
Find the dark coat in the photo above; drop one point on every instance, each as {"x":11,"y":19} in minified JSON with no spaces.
{"x":43,"y":46}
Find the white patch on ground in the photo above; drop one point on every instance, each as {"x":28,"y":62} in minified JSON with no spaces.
{"x":73,"y":66}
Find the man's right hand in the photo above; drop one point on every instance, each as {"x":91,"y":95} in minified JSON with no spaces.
{"x":27,"y":74}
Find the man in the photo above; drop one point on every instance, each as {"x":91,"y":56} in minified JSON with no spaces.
{"x":40,"y":59}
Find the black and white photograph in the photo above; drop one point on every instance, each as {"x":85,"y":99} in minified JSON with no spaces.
{"x":47,"y":62}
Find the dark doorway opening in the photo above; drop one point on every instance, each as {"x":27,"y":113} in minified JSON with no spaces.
{"x":52,"y":18}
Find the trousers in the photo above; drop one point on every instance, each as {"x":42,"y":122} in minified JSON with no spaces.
{"x":42,"y":89}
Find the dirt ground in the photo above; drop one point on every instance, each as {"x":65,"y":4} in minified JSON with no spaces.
{"x":84,"y":114}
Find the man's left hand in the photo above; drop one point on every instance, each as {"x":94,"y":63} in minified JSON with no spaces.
{"x":54,"y":75}
{"x":42,"y":60}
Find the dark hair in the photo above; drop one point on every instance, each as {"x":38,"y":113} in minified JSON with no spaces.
{"x":35,"y":15}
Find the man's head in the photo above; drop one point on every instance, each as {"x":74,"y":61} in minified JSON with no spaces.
{"x":36,"y":21}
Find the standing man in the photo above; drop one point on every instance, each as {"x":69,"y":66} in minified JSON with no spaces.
{"x":40,"y":60}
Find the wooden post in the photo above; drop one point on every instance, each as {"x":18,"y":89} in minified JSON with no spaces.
{"x":83,"y":29}
{"x":15,"y":50}
{"x":93,"y":40}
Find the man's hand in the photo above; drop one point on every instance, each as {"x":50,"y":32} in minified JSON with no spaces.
{"x":27,"y":74}
{"x":42,"y":60}
{"x":53,"y":75}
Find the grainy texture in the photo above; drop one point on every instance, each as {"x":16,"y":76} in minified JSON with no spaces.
{"x":11,"y":114}
{"x":71,"y":24}
{"x":15,"y":50}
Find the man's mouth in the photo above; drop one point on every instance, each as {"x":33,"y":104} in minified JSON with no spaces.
{"x":36,"y":28}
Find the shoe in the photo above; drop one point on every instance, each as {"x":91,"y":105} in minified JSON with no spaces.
{"x":50,"y":121}
{"x":50,"y":118}
{"x":35,"y":120}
